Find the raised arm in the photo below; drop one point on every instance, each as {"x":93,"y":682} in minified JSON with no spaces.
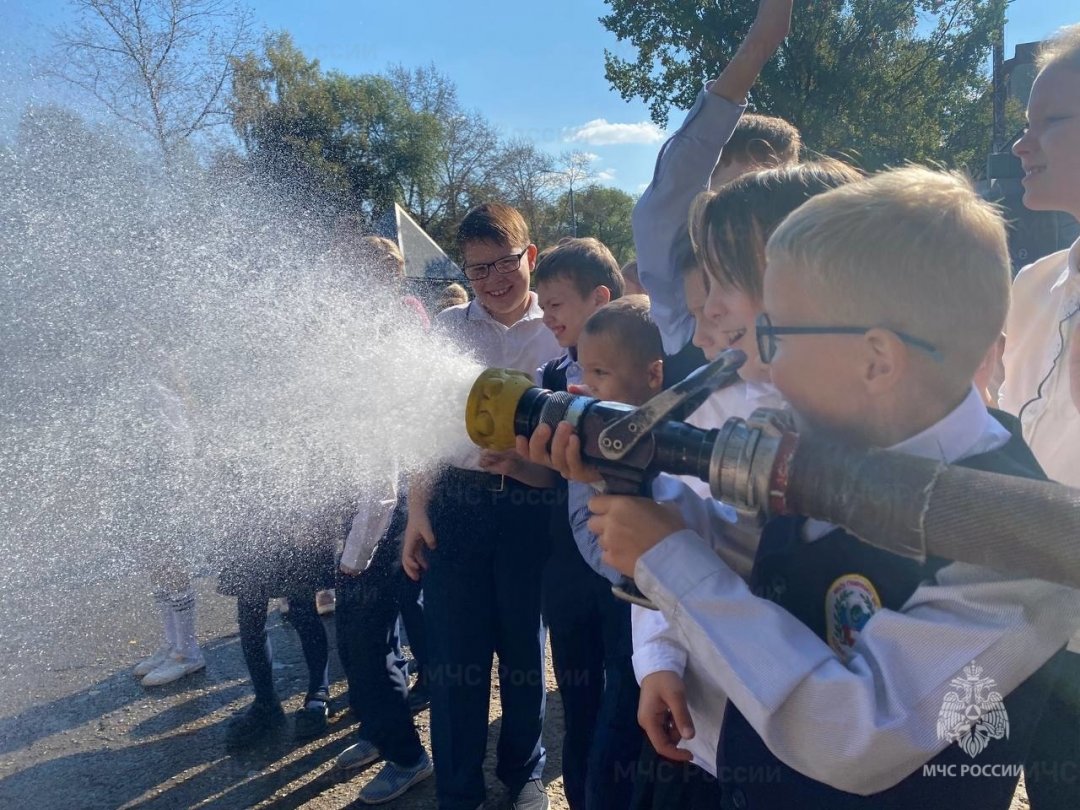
{"x":683,"y":167}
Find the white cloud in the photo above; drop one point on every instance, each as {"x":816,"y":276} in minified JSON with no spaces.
{"x":604,"y":176}
{"x":600,"y":132}
{"x":589,"y":157}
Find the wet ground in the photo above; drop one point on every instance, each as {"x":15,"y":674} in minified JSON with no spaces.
{"x":77,"y":731}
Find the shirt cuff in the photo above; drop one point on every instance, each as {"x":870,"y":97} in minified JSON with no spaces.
{"x":658,"y":656}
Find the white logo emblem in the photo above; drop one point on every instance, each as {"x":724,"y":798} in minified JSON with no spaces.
{"x":974,"y":714}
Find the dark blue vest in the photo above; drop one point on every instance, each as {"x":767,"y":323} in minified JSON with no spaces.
{"x":833,"y":585}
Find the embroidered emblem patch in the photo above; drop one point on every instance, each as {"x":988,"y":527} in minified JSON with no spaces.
{"x":849,"y":604}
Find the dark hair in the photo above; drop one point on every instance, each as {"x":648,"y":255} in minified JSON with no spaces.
{"x":629,"y":322}
{"x":493,"y":222}
{"x":729,"y":227}
{"x":762,"y":140}
{"x":585,"y":261}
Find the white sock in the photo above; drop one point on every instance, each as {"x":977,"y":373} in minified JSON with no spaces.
{"x":167,"y":624}
{"x":182,"y":604}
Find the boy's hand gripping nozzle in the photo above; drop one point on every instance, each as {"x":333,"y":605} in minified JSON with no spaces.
{"x":631,"y":446}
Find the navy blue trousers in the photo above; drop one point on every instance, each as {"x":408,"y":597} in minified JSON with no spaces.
{"x":482,"y":597}
{"x":1052,"y":769}
{"x":591,"y":649}
{"x":367,"y":610}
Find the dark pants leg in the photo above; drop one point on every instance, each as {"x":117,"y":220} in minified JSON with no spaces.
{"x":1052,"y":769}
{"x":577,"y":652}
{"x":482,"y":595}
{"x":522,"y":547}
{"x":412,"y":616}
{"x":304,"y":618}
{"x":661,"y":784}
{"x":616,"y":742}
{"x":251,"y":619}
{"x":367,"y":610}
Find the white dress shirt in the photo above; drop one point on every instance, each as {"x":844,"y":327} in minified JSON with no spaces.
{"x":657,"y":645}
{"x":526,"y":345}
{"x":864,"y":723}
{"x":1045,"y":303}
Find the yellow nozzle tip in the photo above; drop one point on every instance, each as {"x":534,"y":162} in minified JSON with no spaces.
{"x":492,"y":403}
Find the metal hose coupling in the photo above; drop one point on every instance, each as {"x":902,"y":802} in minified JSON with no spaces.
{"x":750,"y":466}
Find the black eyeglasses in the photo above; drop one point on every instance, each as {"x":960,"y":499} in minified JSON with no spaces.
{"x":503,"y":266}
{"x":767,"y":334}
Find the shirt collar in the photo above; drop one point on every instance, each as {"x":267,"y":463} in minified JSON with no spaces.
{"x":570,"y":358}
{"x":958,"y":435}
{"x":476,"y":311}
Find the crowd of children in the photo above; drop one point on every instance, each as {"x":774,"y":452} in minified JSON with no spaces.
{"x":790,"y":664}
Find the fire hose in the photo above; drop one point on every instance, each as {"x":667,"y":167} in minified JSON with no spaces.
{"x":909,"y":506}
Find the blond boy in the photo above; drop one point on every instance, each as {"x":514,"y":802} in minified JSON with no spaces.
{"x":844,"y":665}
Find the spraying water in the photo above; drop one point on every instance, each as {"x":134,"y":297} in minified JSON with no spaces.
{"x":181,"y":361}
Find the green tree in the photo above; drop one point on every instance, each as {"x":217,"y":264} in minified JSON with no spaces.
{"x":354,"y":139}
{"x":605,"y":213}
{"x":881,"y":80}
{"x":467,"y":153}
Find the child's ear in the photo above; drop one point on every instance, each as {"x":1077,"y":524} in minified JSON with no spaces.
{"x":656,"y":375}
{"x":601,"y":295}
{"x":884,"y":360}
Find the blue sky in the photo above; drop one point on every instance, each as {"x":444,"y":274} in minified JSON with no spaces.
{"x":535,"y":69}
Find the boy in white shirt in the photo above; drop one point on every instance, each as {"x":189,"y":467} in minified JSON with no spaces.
{"x":478,"y":534}
{"x":838,"y":662}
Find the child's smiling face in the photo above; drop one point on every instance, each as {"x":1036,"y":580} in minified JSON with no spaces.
{"x":731,"y":313}
{"x":1050,"y":148}
{"x":502,"y":294}
{"x":565,"y":309}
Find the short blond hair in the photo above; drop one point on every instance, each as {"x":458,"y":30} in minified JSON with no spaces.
{"x":453,"y":295}
{"x":385,"y":257}
{"x":913,"y":250}
{"x":1063,"y":48}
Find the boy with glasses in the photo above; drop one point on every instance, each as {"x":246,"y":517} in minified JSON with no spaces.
{"x":849,"y":673}
{"x":477,"y":532}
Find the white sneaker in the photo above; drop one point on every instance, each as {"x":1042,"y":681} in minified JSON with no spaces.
{"x":148,"y":665}
{"x":176,"y":667}
{"x":325,"y":601}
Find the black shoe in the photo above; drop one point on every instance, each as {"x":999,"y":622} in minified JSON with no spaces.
{"x":532,"y":797}
{"x":254,"y":725}
{"x":310,"y":721}
{"x":419,"y":699}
